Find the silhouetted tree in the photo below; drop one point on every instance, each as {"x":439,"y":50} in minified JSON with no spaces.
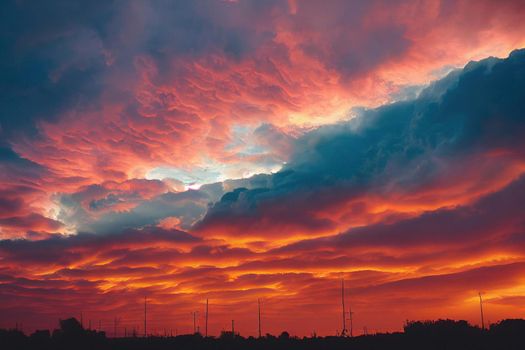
{"x":284,"y":335}
{"x":43,"y":334}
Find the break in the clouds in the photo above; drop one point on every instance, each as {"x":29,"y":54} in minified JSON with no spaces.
{"x":236,"y":150}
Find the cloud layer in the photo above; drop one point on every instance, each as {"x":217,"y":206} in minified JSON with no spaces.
{"x":236,"y":150}
{"x":445,"y":147}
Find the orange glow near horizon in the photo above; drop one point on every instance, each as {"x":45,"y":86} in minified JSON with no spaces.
{"x":231,"y":152}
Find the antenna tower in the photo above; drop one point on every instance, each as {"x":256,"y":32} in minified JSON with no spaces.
{"x":481,"y":311}
{"x":145,"y":316}
{"x":343,"y":331}
{"x":259,"y":314}
{"x":206,"y":327}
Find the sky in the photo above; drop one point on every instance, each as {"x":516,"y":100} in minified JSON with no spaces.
{"x":244,"y":150}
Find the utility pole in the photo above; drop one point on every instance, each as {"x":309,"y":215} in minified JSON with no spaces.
{"x":481,"y":310}
{"x":99,"y":325}
{"x":194,"y":313}
{"x":145,"y":316}
{"x":81,"y":320}
{"x":351,"y":313}
{"x":343,"y":331}
{"x":233,"y":328}
{"x":206,"y":326}
{"x":259,"y":312}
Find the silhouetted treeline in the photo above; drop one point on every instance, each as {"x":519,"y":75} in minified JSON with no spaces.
{"x":440,"y":334}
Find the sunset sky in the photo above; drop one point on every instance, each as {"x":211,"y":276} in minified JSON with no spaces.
{"x":244,"y":150}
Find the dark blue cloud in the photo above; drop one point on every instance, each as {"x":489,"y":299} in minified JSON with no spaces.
{"x":50,"y":60}
{"x":64,"y":249}
{"x":56,"y":56}
{"x":478,"y":109}
{"x":339,"y":48}
{"x":398,"y":147}
{"x":495,"y":220}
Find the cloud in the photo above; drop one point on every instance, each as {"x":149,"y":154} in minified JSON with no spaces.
{"x":58,"y":249}
{"x":114,"y":90}
{"x":52,"y":58}
{"x":491,"y":225}
{"x":437,"y":262}
{"x":450,"y":134}
{"x":111,"y":111}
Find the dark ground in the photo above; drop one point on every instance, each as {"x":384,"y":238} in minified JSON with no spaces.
{"x":441,"y":334}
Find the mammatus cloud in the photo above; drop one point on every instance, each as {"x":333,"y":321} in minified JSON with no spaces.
{"x":130,"y":133}
{"x":435,"y":263}
{"x":416,"y":203}
{"x":111,"y":92}
{"x":443,"y":148}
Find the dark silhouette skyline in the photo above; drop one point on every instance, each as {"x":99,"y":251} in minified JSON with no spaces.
{"x":506,"y":334}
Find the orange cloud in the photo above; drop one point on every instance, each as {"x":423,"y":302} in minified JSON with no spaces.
{"x":129,"y":151}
